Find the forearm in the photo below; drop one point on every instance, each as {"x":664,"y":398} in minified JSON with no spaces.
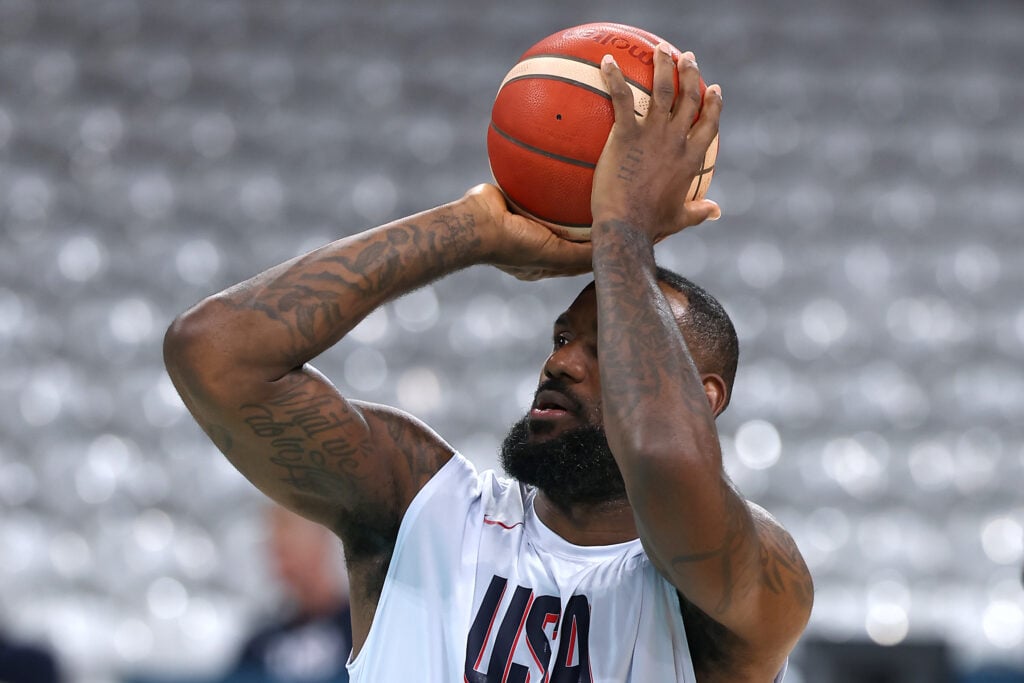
{"x":653,"y":397}
{"x":289,"y":314}
{"x":661,"y":429}
{"x":656,"y":406}
{"x":239,"y":361}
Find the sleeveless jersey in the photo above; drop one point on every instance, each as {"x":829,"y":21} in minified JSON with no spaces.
{"x":480,"y":591}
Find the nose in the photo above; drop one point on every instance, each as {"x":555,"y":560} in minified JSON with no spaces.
{"x":567,"y":362}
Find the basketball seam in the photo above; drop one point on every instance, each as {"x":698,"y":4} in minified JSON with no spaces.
{"x":700,"y":179}
{"x":552,"y":55}
{"x":641,"y":96}
{"x":535,"y":216}
{"x":567,"y":81}
{"x":542,"y":152}
{"x":562,"y":79}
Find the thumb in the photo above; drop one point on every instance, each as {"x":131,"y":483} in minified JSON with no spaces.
{"x":701,"y":210}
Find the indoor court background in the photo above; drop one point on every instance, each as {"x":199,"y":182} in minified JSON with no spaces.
{"x":153,"y":152}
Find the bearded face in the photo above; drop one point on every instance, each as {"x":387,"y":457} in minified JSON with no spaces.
{"x":560,"y":447}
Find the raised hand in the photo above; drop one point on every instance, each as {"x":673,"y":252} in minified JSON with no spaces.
{"x":649,"y":163}
{"x":522,"y":247}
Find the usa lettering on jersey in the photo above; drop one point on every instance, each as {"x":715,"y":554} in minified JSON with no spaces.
{"x":517,"y":648}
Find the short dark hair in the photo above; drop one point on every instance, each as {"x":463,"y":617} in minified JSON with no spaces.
{"x":707,"y":328}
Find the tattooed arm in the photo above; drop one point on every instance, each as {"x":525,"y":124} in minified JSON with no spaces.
{"x":240,"y":360}
{"x":726,"y":557}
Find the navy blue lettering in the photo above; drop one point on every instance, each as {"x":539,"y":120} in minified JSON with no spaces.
{"x":545,"y":610}
{"x":480,"y":631}
{"x":574,"y":643}
{"x":527,"y":618}
{"x":508,"y":634}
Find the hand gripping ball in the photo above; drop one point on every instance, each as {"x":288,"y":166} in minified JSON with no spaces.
{"x":553,"y":114}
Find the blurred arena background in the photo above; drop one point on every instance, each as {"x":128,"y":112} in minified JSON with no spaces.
{"x":153,"y":152}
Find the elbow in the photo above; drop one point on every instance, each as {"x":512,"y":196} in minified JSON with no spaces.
{"x":215,"y":353}
{"x":193,"y":349}
{"x":176,"y":340}
{"x":185,"y":332}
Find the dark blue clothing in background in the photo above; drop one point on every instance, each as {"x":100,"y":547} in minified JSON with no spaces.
{"x":27,"y":664}
{"x":300,"y":650}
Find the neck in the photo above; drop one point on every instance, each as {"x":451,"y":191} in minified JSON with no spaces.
{"x":321,"y":599}
{"x":604,"y":523}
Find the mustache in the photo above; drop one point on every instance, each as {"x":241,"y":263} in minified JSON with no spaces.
{"x":562,"y":387}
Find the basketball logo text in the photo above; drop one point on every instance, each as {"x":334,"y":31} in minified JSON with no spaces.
{"x":639,"y":52}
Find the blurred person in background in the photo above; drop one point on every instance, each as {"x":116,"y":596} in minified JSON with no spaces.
{"x":309,"y":641}
{"x":25,"y":663}
{"x":307,"y":638}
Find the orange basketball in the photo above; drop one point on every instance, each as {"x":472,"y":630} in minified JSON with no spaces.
{"x":552,"y":116}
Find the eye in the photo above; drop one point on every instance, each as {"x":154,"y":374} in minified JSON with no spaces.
{"x":560,"y":340}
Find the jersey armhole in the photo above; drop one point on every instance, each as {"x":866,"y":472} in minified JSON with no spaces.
{"x":457,"y":468}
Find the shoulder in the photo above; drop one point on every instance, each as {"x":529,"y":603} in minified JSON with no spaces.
{"x":783,"y":570}
{"x":416,"y":451}
{"x":416,"y":454}
{"x":716,"y":650}
{"x":762,"y":517}
{"x":410,"y":434}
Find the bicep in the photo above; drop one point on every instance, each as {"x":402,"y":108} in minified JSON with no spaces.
{"x":327,"y":458}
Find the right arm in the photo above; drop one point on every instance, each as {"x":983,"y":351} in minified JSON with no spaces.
{"x":240,"y":360}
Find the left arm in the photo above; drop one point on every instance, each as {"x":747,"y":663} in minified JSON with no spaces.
{"x":732,"y":561}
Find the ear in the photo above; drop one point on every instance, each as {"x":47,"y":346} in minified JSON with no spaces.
{"x":717,"y":393}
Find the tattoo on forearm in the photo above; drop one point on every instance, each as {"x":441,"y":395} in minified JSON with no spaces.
{"x":642,"y":352}
{"x":317,"y":298}
{"x":643,"y":355}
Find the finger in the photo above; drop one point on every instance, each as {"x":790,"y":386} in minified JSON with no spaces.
{"x":541,"y":273}
{"x":663,"y":93}
{"x":622,"y":95}
{"x":568,"y":255}
{"x":706,"y":128}
{"x":688,"y":100}
{"x":526,"y":275}
{"x":573,"y":273}
{"x":701,"y":210}
{"x":566,"y":258}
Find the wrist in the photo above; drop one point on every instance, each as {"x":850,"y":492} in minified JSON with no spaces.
{"x":610,"y":227}
{"x":483,"y":207}
{"x":466,"y":227}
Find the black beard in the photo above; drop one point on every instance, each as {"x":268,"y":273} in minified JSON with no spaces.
{"x":577,"y":466}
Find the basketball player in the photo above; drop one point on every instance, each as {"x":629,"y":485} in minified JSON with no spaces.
{"x":622,"y":553}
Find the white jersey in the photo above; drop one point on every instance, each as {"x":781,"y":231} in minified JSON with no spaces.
{"x":480,"y":591}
